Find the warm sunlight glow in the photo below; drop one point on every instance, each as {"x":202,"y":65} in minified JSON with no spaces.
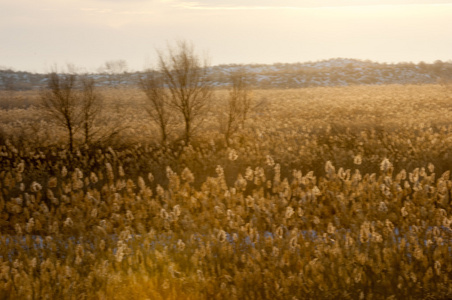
{"x":86,"y":32}
{"x":226,"y":149}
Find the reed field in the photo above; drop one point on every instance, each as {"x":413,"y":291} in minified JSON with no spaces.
{"x":323,"y":193}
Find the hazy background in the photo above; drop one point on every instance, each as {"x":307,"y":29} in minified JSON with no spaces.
{"x":34,"y":35}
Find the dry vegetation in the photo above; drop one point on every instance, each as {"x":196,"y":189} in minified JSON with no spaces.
{"x":336,"y":193}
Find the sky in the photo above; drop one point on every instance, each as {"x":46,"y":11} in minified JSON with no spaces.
{"x":37,"y":35}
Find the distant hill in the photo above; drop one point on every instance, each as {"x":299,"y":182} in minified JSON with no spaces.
{"x":332,"y":72}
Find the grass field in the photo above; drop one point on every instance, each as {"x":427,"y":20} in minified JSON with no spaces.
{"x":325,"y":193}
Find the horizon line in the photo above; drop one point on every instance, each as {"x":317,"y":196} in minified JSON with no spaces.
{"x":12,"y":69}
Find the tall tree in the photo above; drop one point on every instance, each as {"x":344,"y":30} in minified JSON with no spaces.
{"x":90,"y":106}
{"x":185,"y":75}
{"x":60,"y":100}
{"x":73,"y":102}
{"x":153,"y":85}
{"x":239,"y":104}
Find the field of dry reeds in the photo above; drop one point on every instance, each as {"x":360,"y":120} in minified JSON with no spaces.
{"x":325,"y":193}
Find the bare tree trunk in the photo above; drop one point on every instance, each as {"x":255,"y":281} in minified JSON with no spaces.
{"x":187,"y":130}
{"x":71,"y":139}
{"x":86,"y":129}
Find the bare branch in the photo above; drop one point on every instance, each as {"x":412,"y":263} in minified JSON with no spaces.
{"x":91,"y":105}
{"x":153,"y":85}
{"x":60,"y":101}
{"x":239,"y":105}
{"x":185,"y":76}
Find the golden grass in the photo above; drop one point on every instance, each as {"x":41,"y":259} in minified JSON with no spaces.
{"x":328,"y":193}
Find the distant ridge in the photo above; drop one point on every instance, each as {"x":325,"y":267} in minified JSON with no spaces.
{"x":331,"y":72}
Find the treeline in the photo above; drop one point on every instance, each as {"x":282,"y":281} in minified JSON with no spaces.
{"x":333,"y":72}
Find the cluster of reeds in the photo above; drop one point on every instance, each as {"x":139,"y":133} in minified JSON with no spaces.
{"x":342,"y":235}
{"x":332,"y":208}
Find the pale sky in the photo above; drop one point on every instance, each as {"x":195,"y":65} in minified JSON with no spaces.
{"x":36,"y":35}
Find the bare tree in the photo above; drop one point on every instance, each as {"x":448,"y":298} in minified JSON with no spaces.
{"x":185,"y":77}
{"x":60,"y":101}
{"x":238,"y":105}
{"x":115,"y":70}
{"x":241,"y":94}
{"x":153,"y":85}
{"x":90,"y":105}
